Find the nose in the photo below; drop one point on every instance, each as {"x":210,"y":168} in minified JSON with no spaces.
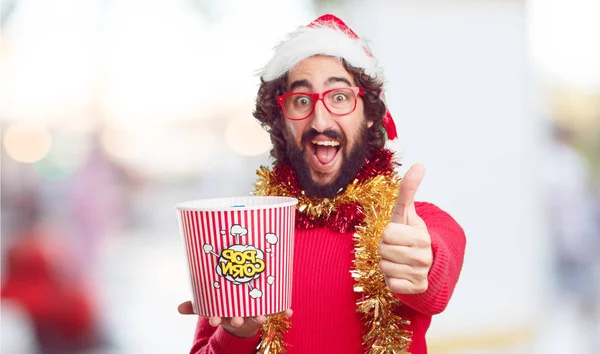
{"x":322,"y":120}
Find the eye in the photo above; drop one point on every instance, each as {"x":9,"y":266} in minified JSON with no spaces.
{"x":339,"y":97}
{"x":302,"y":101}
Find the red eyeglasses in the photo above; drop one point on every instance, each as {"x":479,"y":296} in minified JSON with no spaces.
{"x":338,"y":101}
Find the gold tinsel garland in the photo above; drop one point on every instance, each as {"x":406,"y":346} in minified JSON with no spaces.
{"x":385,"y":333}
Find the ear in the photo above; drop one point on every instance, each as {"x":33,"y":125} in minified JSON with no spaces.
{"x":369,"y":123}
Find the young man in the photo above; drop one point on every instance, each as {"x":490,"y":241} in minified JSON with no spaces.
{"x":371,"y":266}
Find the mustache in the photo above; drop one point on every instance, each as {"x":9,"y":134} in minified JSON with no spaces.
{"x":309,"y":135}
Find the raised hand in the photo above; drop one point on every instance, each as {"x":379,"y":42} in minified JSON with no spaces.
{"x":405,"y":247}
{"x":243,"y":327}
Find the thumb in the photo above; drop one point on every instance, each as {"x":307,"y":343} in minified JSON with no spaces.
{"x":406,"y":194}
{"x":186,"y":308}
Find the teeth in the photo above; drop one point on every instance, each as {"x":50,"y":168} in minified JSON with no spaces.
{"x":326,"y":143}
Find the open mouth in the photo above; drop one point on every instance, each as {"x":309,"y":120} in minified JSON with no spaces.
{"x":325,"y":154}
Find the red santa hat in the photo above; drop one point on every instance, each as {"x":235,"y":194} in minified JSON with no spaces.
{"x":327,"y":35}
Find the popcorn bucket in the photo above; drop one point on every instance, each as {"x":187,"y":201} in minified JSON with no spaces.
{"x":239,"y":253}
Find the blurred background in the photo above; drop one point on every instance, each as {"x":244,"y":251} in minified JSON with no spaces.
{"x":113,"y":111}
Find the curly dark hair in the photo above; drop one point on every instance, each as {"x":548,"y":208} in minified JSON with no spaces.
{"x":269,"y":113}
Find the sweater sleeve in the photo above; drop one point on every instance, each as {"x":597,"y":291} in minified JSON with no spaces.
{"x":448,"y":245}
{"x":211,"y":340}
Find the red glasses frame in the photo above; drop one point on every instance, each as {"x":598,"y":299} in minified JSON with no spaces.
{"x":316,"y":96}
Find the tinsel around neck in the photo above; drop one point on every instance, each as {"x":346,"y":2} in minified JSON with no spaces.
{"x":342,"y":213}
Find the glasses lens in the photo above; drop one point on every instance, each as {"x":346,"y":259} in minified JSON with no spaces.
{"x":341,"y":101}
{"x":298,"y":106}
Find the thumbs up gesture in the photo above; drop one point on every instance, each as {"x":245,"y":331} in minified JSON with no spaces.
{"x":405,"y":247}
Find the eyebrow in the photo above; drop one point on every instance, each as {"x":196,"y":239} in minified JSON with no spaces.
{"x":335,"y":79}
{"x":300,"y":83}
{"x":308,"y":85}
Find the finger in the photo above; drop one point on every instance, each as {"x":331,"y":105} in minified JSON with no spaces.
{"x":288,"y":313}
{"x":399,"y":286}
{"x":397,"y":234}
{"x":214,"y":321}
{"x":394,"y":253}
{"x":399,"y":271}
{"x":406,"y":235}
{"x":406,"y":193}
{"x":420,"y":258}
{"x":404,"y":286}
{"x":186,"y":308}
{"x":236,"y":321}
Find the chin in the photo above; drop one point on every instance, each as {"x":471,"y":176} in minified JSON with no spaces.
{"x":322,"y":179}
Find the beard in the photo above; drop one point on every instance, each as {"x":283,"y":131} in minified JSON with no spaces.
{"x":353,"y":160}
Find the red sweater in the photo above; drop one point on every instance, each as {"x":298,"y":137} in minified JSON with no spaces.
{"x":324,"y":303}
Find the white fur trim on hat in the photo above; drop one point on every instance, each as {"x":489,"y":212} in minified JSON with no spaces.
{"x":324,"y":39}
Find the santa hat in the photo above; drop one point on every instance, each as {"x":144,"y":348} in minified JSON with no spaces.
{"x":327,"y":35}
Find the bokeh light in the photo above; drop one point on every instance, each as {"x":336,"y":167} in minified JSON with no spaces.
{"x":123,"y":143}
{"x":246,"y":137}
{"x":27,"y":142}
{"x":65,"y":156}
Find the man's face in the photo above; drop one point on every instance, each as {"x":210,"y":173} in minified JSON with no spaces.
{"x":325,"y":150}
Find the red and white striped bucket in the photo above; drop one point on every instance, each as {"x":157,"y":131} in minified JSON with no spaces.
{"x":240,"y":254}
